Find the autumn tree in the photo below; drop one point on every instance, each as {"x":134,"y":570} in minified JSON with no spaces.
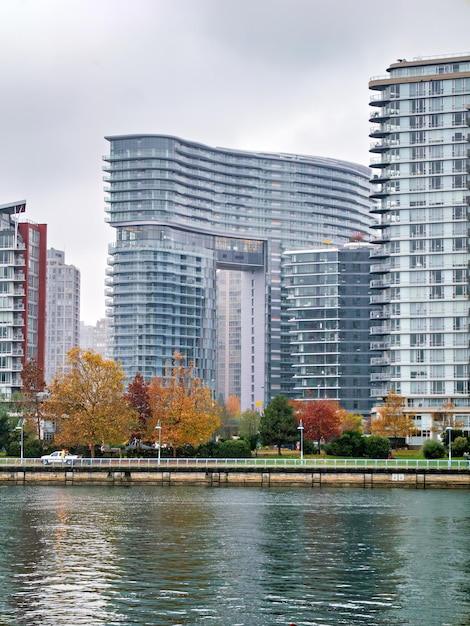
{"x":278,"y":425}
{"x":33,"y":386}
{"x":233,"y":405}
{"x":320,"y":419}
{"x":87,"y":402}
{"x":391,"y":420}
{"x":350,"y":422}
{"x":443,"y":417}
{"x":137,"y":396}
{"x":183,"y":405}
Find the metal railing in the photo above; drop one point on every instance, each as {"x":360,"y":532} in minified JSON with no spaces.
{"x":251,"y":463}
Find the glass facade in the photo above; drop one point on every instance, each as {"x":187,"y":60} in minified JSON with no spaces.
{"x":182,"y":211}
{"x":328,"y":296}
{"x":420,"y":279}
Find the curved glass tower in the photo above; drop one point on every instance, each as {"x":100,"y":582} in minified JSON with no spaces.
{"x":183,"y":210}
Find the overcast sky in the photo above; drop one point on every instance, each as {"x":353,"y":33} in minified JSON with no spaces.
{"x":269,"y":75}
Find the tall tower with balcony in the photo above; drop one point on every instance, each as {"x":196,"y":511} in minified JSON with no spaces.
{"x":63,"y":312}
{"x":419,"y":283}
{"x":22,"y":295}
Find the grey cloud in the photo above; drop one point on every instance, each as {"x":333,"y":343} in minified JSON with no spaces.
{"x":281,"y":75}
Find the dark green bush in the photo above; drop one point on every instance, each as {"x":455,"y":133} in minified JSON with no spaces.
{"x":349,"y":444}
{"x":208,"y":450}
{"x":310,"y":447}
{"x":376,"y":447}
{"x":234,"y":449}
{"x":13,"y":448}
{"x":433,"y":449}
{"x":33,"y":448}
{"x":459,"y":446}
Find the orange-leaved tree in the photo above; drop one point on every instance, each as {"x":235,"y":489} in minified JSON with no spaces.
{"x":320,"y":419}
{"x":391,"y":420}
{"x":182,"y":405}
{"x":87,"y":402}
{"x":233,"y":406}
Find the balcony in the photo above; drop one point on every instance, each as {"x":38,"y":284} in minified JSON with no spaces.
{"x":379,"y":253}
{"x":380,"y":146}
{"x":380,"y":268}
{"x":380,"y":208}
{"x":383,"y":177}
{"x":379,"y":116}
{"x":383,"y":238}
{"x":379,"y":377}
{"x":379,"y":314}
{"x":380,"y":393}
{"x":383,"y":329}
{"x":380,"y":131}
{"x":379,"y":345}
{"x":380,"y":162}
{"x":385,"y":222}
{"x":379,"y":284}
{"x":379,"y":360}
{"x":379,"y":193}
{"x":381,"y":99}
{"x":383,"y":298}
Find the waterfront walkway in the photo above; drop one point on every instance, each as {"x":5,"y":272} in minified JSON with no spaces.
{"x":260,"y":472}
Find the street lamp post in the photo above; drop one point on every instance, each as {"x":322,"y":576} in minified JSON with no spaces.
{"x":21,"y":427}
{"x":159,"y":428}
{"x":301,"y":428}
{"x":449,"y":429}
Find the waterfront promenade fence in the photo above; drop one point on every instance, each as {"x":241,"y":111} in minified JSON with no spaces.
{"x":240,"y":464}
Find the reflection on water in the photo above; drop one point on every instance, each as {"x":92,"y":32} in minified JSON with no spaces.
{"x":227,"y":557}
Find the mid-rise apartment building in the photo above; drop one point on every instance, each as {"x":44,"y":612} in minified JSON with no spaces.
{"x":95,"y":337}
{"x":420,"y":269}
{"x":23,"y":247}
{"x":328,"y":304}
{"x":63,"y":312}
{"x":183,"y":210}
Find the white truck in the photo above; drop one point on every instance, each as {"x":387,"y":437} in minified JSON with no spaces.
{"x":59,"y":456}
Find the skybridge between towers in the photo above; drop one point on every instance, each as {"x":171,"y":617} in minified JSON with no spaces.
{"x":240,"y":254}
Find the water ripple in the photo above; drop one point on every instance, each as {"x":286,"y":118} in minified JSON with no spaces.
{"x":233,"y":557}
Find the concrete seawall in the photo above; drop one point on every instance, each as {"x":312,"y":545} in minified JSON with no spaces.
{"x":236,"y":477}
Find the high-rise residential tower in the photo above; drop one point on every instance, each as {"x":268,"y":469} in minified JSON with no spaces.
{"x":228,"y":379}
{"x":63,"y":312}
{"x":181,"y":211}
{"x":420,"y":276}
{"x":23,"y":247}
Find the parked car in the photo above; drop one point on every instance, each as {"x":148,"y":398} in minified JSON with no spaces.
{"x":59,"y":456}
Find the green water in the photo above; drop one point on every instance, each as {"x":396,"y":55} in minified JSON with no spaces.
{"x":251,"y":557}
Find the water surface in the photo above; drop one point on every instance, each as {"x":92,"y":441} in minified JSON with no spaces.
{"x":228,"y":557}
